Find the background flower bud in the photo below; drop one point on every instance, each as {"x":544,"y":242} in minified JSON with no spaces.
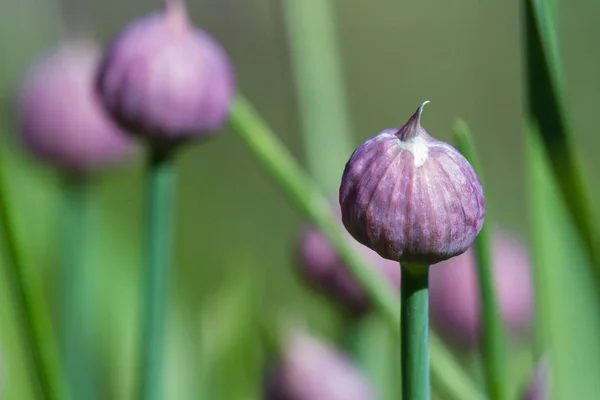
{"x":310,"y":370}
{"x":454,"y":292}
{"x":60,"y":117}
{"x":319,"y":264}
{"x":410,"y":197}
{"x":165,"y":79}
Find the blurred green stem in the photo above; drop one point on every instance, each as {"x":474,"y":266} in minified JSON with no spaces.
{"x":282,"y":167}
{"x":159,"y":209}
{"x":546,"y":107}
{"x":29,"y":302}
{"x":319,"y":85}
{"x":493,"y":342}
{"x":415,"y":332}
{"x":75,"y":292}
{"x":351,"y":332}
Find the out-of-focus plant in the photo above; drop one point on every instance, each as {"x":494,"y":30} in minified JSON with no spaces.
{"x":63,"y":124}
{"x":306,"y":196}
{"x":182,"y":94}
{"x":308,"y":369}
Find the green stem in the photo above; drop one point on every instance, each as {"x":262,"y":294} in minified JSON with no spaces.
{"x":282,"y":167}
{"x":29,"y":303}
{"x":351,"y":333}
{"x":75,"y":292}
{"x":415,"y":332}
{"x":493,"y":340}
{"x":319,"y":86}
{"x":546,"y":108}
{"x":159,"y":208}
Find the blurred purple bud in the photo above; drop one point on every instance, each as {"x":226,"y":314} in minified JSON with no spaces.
{"x":166,"y":80}
{"x":310,"y":370}
{"x":319,"y":264}
{"x":60,"y":116}
{"x":410,"y":197}
{"x":539,"y":385}
{"x":454,"y":291}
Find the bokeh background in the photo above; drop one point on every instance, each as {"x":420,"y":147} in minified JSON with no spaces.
{"x":235,"y":231}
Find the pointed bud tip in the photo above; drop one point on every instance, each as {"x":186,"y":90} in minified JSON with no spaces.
{"x":420,"y":111}
{"x":412,"y":127}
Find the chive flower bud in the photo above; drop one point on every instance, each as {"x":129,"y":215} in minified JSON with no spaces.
{"x":311,"y":370}
{"x":410,"y":197}
{"x":61,"y":120}
{"x":319,"y":264}
{"x":166,"y":80}
{"x":455,"y":304}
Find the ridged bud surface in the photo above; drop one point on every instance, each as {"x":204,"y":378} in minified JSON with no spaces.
{"x":310,"y":370}
{"x":166,"y":80}
{"x":61,"y":119}
{"x":410,"y":197}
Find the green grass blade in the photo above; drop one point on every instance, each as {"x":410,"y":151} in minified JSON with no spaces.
{"x":30,"y":304}
{"x":305,"y":195}
{"x":319,"y":85}
{"x":547,"y":110}
{"x":493,"y":337}
{"x":568,"y":323}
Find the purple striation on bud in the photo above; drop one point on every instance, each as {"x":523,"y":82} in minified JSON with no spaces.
{"x":539,"y":386}
{"x":320,"y":265}
{"x":310,"y":370}
{"x":410,"y":197}
{"x":60,"y":116}
{"x":166,"y":80}
{"x":454,"y":292}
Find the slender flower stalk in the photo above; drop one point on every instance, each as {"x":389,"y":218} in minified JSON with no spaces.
{"x":415,"y":200}
{"x":415,"y":333}
{"x":183,"y":95}
{"x":75,"y":291}
{"x":493,"y":331}
{"x":29,"y":303}
{"x":160,"y":182}
{"x":318,"y":76}
{"x":279,"y":163}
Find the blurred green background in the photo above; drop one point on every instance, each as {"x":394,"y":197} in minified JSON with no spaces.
{"x":235,"y":230}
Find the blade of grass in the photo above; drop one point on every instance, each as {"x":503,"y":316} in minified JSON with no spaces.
{"x":568,"y":323}
{"x":318,"y":77}
{"x":547,"y":110}
{"x":29,"y":303}
{"x":319,"y":85}
{"x":282,"y":167}
{"x":493,"y":338}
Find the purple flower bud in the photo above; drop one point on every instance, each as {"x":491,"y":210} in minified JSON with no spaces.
{"x":539,"y":386}
{"x":310,"y":370}
{"x":454,"y":292}
{"x":60,"y":116}
{"x":410,"y":197}
{"x":164,"y":79}
{"x":321,"y":266}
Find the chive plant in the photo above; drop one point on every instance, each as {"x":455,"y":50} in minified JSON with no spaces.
{"x":62,"y":123}
{"x":184,"y":94}
{"x":418,"y":201}
{"x":278,"y":162}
